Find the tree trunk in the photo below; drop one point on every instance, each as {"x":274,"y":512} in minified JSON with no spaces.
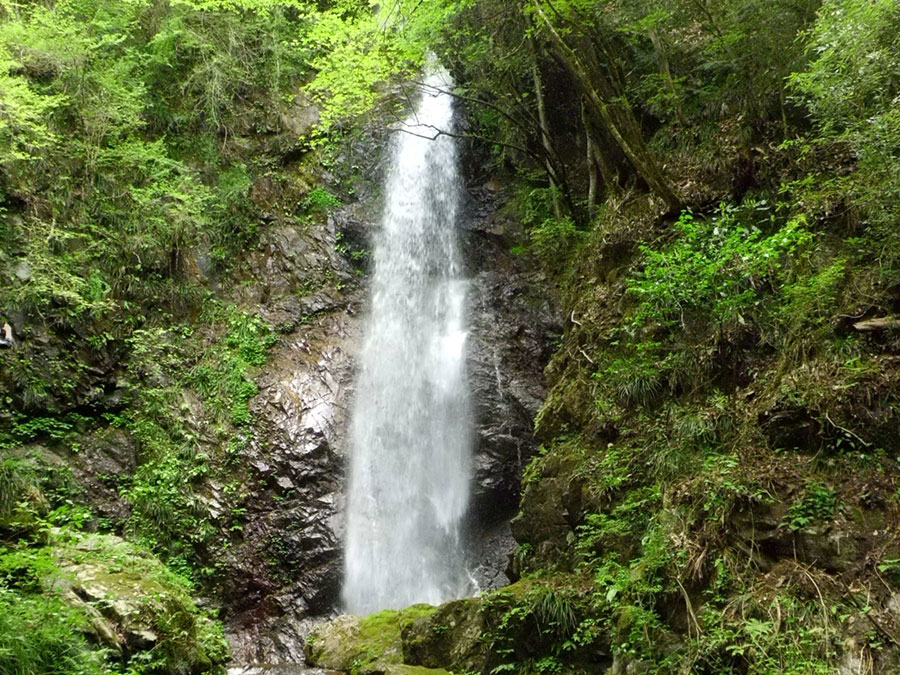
{"x":595,"y":161}
{"x":617,"y":118}
{"x":544,"y":127}
{"x":592,"y":176}
{"x":664,"y":69}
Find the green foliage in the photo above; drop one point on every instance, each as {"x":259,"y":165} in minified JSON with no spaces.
{"x":808,"y":301}
{"x":193,"y":380}
{"x":551,"y":240}
{"x":15,"y":479}
{"x":22,"y":130}
{"x":45,"y":627}
{"x":534,"y":626}
{"x":129,"y":208}
{"x":638,"y":564}
{"x":816,"y":504}
{"x":554,"y":612}
{"x":319,"y":201}
{"x":39,"y":634}
{"x":129,"y":134}
{"x":718,"y":268}
{"x":745,"y":271}
{"x":851,"y":88}
{"x":225,"y":384}
{"x":604,"y":535}
{"x":208,"y":53}
{"x":61,"y":428}
{"x":360,"y":54}
{"x":684,"y":433}
{"x":635,"y":378}
{"x":37,"y":494}
{"x":738,"y":59}
{"x":122,"y":102}
{"x":786,"y":633}
{"x":853,"y":77}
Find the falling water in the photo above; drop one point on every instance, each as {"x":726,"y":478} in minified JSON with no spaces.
{"x":410,"y":432}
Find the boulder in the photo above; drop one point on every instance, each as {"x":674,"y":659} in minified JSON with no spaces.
{"x":370,"y":645}
{"x":135,"y":604}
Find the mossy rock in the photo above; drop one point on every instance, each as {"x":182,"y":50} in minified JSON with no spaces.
{"x":450,"y":637}
{"x":523,"y":623}
{"x":418,"y":640}
{"x":364,"y":645}
{"x":121,"y":598}
{"x":403,"y":669}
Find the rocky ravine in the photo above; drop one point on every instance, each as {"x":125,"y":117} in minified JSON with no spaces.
{"x":285,"y":573}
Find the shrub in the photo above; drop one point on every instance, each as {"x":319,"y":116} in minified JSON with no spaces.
{"x":719,"y":268}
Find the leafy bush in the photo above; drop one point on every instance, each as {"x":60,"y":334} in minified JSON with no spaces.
{"x":552,"y":240}
{"x":109,"y":142}
{"x":318,"y":201}
{"x":817,"y":503}
{"x":853,"y":77}
{"x":852,"y":88}
{"x":718,"y":269}
{"x":15,"y":477}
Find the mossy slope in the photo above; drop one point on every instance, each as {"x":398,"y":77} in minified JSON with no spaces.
{"x":97,"y":604}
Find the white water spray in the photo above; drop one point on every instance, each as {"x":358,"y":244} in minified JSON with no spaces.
{"x":410,"y":432}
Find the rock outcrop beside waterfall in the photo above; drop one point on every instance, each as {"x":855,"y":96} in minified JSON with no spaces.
{"x":513,"y":324}
{"x":286,"y":566}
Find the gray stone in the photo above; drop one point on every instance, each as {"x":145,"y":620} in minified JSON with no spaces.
{"x":301,"y":117}
{"x":22,"y":271}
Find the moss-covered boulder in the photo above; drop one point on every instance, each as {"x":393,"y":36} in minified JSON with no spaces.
{"x":368,"y":645}
{"x":534,"y":625}
{"x":102,"y":603}
{"x":405,"y":669}
{"x":450,"y":637}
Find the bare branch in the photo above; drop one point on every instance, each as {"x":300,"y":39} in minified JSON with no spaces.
{"x":443,"y":132}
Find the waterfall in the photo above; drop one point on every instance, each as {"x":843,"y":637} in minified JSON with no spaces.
{"x":410,"y":431}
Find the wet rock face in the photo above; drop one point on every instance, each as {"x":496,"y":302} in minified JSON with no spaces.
{"x":507,"y":352}
{"x":513,"y":323}
{"x":104,"y":459}
{"x":287,"y":565}
{"x":286,"y":569}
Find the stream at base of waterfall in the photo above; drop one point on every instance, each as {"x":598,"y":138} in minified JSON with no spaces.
{"x":410,"y":436}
